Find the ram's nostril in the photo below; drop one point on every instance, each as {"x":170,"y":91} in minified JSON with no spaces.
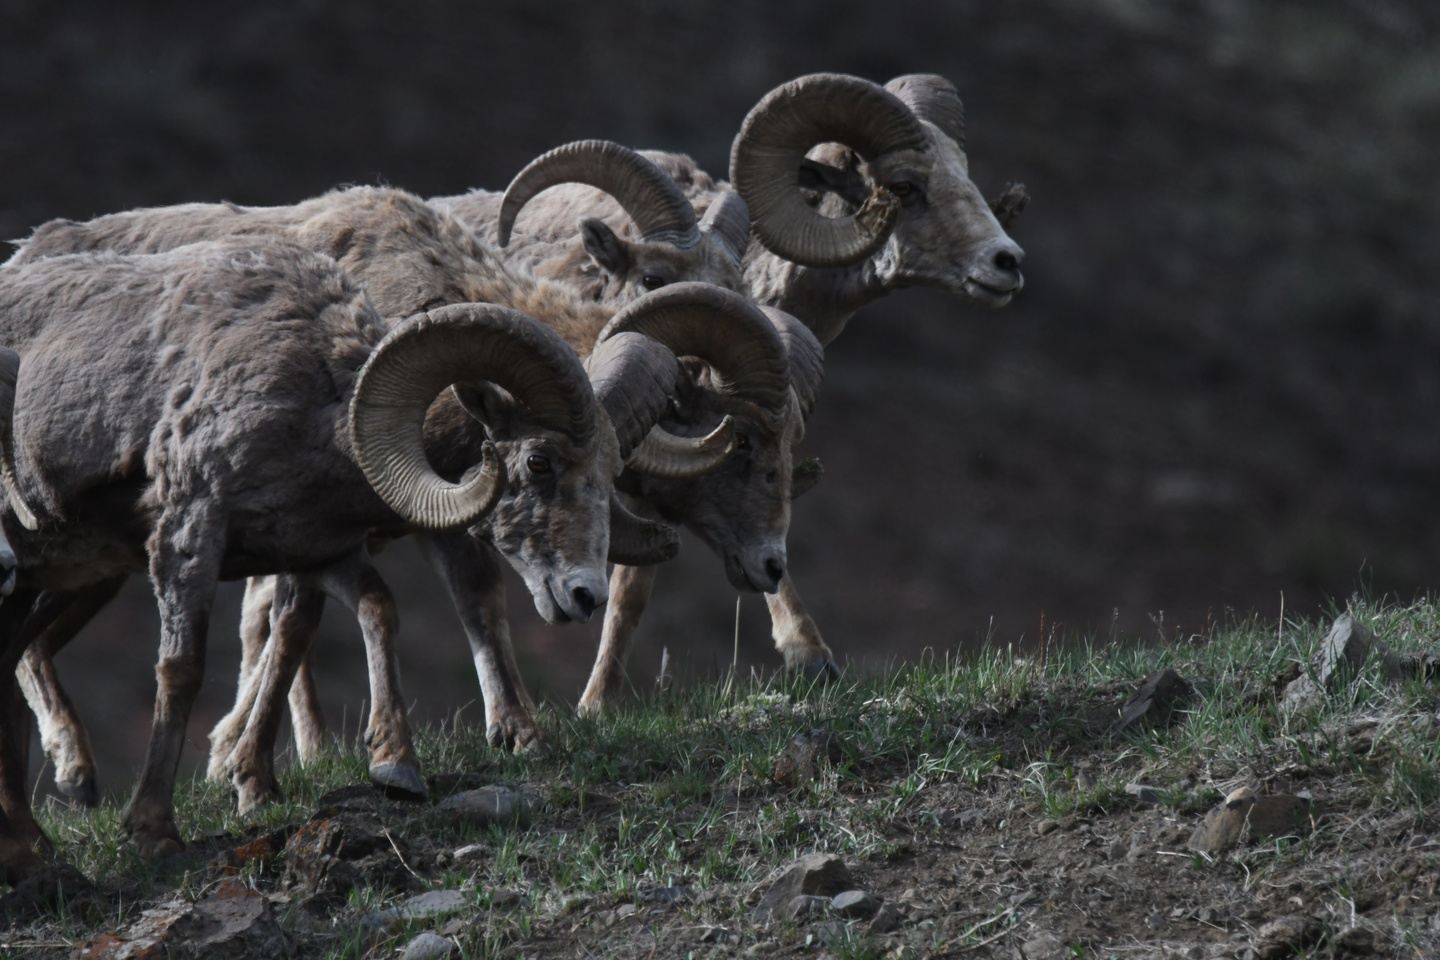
{"x":584,"y":599}
{"x":775,"y":568}
{"x":1007,"y":261}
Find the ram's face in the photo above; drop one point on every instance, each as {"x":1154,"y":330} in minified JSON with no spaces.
{"x":627,"y":269}
{"x":945,"y":235}
{"x":552,"y":523}
{"x":741,"y":510}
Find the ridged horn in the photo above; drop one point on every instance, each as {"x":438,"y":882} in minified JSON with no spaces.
{"x":637,"y":542}
{"x":645,"y":192}
{"x":933,"y":98}
{"x":634,"y":377}
{"x":720,"y":327}
{"x":427,"y":353}
{"x":804,"y":357}
{"x":781,"y":129}
{"x":729,"y":219}
{"x":9,"y":480}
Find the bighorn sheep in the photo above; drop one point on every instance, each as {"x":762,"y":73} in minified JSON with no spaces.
{"x":407,"y":254}
{"x":238,"y":408}
{"x":856,"y":190}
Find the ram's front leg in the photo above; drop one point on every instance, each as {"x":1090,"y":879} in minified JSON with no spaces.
{"x":185,"y":554}
{"x":630,"y":589}
{"x":295,"y":609}
{"x":393,"y":763}
{"x":471,"y":573}
{"x":21,"y":840}
{"x":796,"y":635}
{"x":55,"y":620}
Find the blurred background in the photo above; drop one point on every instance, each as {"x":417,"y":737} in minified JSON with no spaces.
{"x":1217,"y":393}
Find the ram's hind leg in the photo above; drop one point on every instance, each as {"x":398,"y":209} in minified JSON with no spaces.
{"x":630,"y":589}
{"x":21,"y":840}
{"x":306,"y":719}
{"x":796,"y":635}
{"x":58,"y":617}
{"x":185,"y":552}
{"x":294,"y":618}
{"x":254,"y":635}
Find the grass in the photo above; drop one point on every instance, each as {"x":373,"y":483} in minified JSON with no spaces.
{"x":677,"y":790}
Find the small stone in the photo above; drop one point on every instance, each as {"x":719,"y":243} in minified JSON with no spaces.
{"x":573,"y":903}
{"x":855,"y":904}
{"x":425,"y":906}
{"x":1344,"y":651}
{"x":1046,"y":826}
{"x":1285,"y":936}
{"x":1044,"y":947}
{"x":831,"y":932}
{"x":504,"y":898}
{"x":625,"y":910}
{"x":1357,"y":941}
{"x":233,"y":923}
{"x":806,"y":756}
{"x":886,"y":919}
{"x":1243,"y":815}
{"x":802,"y":906}
{"x":816,"y":874}
{"x":429,"y":946}
{"x":714,"y":935}
{"x":487,"y":805}
{"x":1156,"y":702}
{"x":1143,"y":793}
{"x":471,"y":851}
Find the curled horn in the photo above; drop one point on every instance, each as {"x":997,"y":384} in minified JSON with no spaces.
{"x":933,"y":98}
{"x":638,"y":542}
{"x":804,"y":357}
{"x":729,"y":219}
{"x":643,"y":190}
{"x":427,"y":353}
{"x":720,"y":327}
{"x":781,"y":129}
{"x":9,"y":479}
{"x":635,"y":377}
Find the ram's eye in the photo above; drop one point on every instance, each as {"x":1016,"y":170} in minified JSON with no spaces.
{"x":539,"y":464}
{"x":652,"y":282}
{"x":742,"y":442}
{"x":903,"y":189}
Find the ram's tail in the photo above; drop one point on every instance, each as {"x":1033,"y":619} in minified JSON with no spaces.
{"x":9,"y":482}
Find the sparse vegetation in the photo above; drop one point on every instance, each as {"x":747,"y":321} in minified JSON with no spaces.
{"x":987,"y":798}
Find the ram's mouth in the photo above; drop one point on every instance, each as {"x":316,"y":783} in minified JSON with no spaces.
{"x":990,"y":295}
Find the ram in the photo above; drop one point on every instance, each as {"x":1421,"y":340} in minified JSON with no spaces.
{"x":238,"y":408}
{"x":855,"y":190}
{"x":408,"y":254}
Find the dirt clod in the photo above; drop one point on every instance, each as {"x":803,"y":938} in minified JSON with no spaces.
{"x":429,"y":946}
{"x":1156,"y":702}
{"x":806,"y":756}
{"x":1285,"y":936}
{"x":1245,"y":816}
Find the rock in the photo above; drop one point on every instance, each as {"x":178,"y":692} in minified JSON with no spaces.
{"x":1344,"y":651}
{"x":429,"y":946}
{"x":1156,"y":702}
{"x":1245,"y":816}
{"x":426,"y":906}
{"x":504,"y":898}
{"x":626,"y":910}
{"x":1143,"y":794}
{"x":831,"y":932}
{"x":804,"y":905}
{"x":806,"y":756}
{"x":487,"y":805}
{"x":233,"y":923}
{"x":327,"y":857}
{"x":1285,"y":936}
{"x":1044,"y":947}
{"x":1343,"y":654}
{"x":886,"y":919}
{"x":1046,"y":826}
{"x":666,"y":895}
{"x":471,"y":851}
{"x":816,"y":874}
{"x":855,"y":904}
{"x":1357,"y":942}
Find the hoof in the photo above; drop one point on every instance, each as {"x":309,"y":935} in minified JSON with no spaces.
{"x":590,"y":709}
{"x":81,"y":791}
{"x":400,"y":781}
{"x":252,"y":793}
{"x":153,"y":849}
{"x":41,"y":889}
{"x":824,"y":671}
{"x":514,"y":738}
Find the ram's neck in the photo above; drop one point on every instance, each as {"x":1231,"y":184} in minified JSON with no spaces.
{"x":823,"y":298}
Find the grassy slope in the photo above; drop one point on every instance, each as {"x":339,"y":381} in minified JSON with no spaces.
{"x":986,"y":796}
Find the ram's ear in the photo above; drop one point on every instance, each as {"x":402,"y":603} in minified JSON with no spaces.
{"x":843,"y":179}
{"x":497,"y":411}
{"x":807,"y":473}
{"x":605,"y":248}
